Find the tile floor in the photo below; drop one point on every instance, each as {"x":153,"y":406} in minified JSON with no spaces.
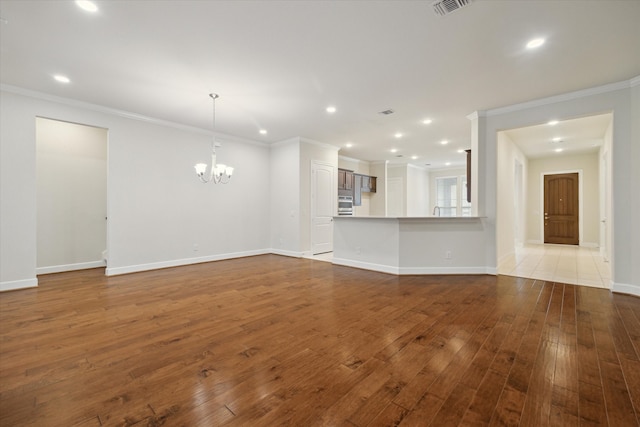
{"x":569,"y":264}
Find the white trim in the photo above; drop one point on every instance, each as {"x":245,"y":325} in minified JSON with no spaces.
{"x":289,"y":141}
{"x":351,"y":159}
{"x":18,"y":284}
{"x":401,"y":271}
{"x":561,"y":98}
{"x":122,"y":113}
{"x":70,"y":267}
{"x":535,"y":242}
{"x":477,"y":114}
{"x":634,"y":81}
{"x":389,"y":269}
{"x":589,"y":245}
{"x":623,"y":288}
{"x":285,"y":252}
{"x":444,"y":270}
{"x":319,"y":144}
{"x":114,"y":271}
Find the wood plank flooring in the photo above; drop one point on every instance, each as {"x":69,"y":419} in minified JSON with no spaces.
{"x":272,"y":341}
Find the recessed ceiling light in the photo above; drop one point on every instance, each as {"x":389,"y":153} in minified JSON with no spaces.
{"x":427,"y":121}
{"x":552,"y":122}
{"x":558,"y":150}
{"x":461,"y":151}
{"x":535,"y":43}
{"x":348,"y":145}
{"x":394,"y":150}
{"x":448,"y":164}
{"x":414,"y":157}
{"x":62,"y":79}
{"x":263,"y":131}
{"x":398,"y":135}
{"x":331,"y":109}
{"x":444,"y":142}
{"x":87,"y":5}
{"x":557,"y":139}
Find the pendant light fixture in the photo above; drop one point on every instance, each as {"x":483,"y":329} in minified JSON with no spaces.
{"x":219,"y":173}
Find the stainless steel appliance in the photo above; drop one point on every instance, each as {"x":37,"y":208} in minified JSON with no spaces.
{"x":345,"y":205}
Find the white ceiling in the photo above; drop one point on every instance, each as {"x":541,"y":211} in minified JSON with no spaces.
{"x":278,"y":64}
{"x":572,"y":136}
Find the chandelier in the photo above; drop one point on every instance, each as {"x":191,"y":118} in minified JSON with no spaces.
{"x":219,"y":173}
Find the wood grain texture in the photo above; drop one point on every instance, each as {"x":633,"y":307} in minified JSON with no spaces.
{"x":271,"y":341}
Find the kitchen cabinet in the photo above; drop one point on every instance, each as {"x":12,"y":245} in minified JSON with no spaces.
{"x":345,"y":179}
{"x":368,"y":184}
{"x":362,"y":184}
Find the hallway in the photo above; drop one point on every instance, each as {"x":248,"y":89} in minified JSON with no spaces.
{"x":573,"y":265}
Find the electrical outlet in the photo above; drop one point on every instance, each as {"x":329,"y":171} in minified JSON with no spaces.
{"x":447,"y":255}
{"x":358,"y":250}
{"x":195,"y":247}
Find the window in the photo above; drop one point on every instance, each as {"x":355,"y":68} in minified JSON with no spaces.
{"x":451,"y":196}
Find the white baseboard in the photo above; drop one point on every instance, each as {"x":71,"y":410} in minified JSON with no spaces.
{"x":114,"y":271}
{"x":535,"y":242}
{"x":18,"y":284}
{"x":626,"y":289}
{"x":402,"y":271}
{"x":284,"y":252}
{"x":367,"y":266}
{"x":70,"y":267}
{"x":589,"y":245}
{"x":444,"y":270}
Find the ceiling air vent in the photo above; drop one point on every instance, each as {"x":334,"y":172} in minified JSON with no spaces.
{"x":445,"y":7}
{"x":387,"y":112}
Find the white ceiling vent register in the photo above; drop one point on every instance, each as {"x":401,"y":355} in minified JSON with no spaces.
{"x":445,"y":7}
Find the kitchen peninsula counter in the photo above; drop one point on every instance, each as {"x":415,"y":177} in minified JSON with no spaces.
{"x":412,"y":245}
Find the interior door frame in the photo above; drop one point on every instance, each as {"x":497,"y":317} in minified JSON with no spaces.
{"x":580,"y":202}
{"x":312,"y":198}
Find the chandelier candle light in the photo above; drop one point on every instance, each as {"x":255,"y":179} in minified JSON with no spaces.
{"x":219,"y":173}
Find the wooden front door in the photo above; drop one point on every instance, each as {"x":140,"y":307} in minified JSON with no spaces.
{"x":561,"y":209}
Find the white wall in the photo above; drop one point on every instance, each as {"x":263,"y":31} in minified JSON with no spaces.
{"x":71,"y":195}
{"x":378,"y":206}
{"x":633,"y":207}
{"x":157,"y":208}
{"x":17,"y":192}
{"x":417,"y":191}
{"x":606,"y":202}
{"x":588,"y":167}
{"x":285,"y":197}
{"x":508,"y":154}
{"x":414,"y":190}
{"x":616,"y":98}
{"x":396,"y":193}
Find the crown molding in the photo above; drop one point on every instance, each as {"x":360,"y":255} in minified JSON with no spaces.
{"x":319,"y":144}
{"x":351,"y":159}
{"x":612,"y":87}
{"x":123,"y":114}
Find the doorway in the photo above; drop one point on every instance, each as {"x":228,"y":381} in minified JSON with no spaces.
{"x":561,"y":209}
{"x":323,"y":197}
{"x":578,"y":147}
{"x":71,"y":192}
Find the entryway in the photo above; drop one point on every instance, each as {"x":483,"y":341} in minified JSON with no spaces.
{"x":71,"y":196}
{"x":574,"y":265}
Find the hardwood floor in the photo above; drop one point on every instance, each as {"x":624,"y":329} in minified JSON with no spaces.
{"x":271,"y":341}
